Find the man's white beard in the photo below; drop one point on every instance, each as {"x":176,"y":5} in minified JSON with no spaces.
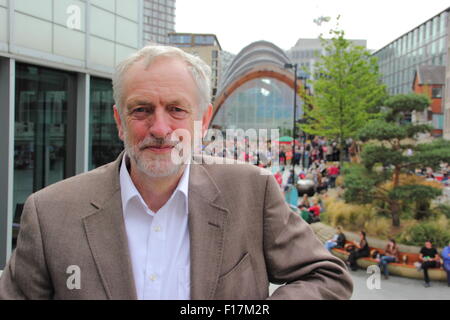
{"x":152,"y":164}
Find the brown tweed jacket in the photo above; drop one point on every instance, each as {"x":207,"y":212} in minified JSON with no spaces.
{"x":242,"y":236}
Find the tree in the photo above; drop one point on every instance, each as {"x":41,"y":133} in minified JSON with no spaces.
{"x":347,"y":90}
{"x":391,"y":157}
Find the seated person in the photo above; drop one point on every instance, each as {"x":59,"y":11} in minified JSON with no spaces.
{"x":390,"y":255}
{"x":304,"y":213}
{"x":359,"y":251}
{"x":305,"y":201}
{"x":338,"y":240}
{"x":430,"y":259}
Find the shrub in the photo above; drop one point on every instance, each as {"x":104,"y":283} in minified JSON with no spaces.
{"x":435,"y":230}
{"x":380,"y":227}
{"x":350,"y":216}
{"x":442,"y":209}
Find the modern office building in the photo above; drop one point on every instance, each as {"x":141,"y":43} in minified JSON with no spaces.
{"x":205,"y":46}
{"x":159,"y":20}
{"x":56,"y":64}
{"x":425,"y":45}
{"x":306,"y":52}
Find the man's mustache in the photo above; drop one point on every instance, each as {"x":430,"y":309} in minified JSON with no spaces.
{"x":153,"y":142}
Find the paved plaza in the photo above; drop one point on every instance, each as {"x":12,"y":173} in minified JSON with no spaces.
{"x":396,"y":288}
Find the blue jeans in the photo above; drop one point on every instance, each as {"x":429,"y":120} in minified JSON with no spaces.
{"x":330,"y":245}
{"x":384,"y":262}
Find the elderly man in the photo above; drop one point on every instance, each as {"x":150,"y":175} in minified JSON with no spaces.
{"x":147,"y":227}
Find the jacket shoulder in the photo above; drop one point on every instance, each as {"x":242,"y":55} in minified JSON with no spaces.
{"x":82,"y":187}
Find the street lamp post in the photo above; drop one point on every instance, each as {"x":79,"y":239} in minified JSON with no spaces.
{"x":294,"y":66}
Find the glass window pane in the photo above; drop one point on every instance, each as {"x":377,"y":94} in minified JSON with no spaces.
{"x":104,"y":142}
{"x":44,"y":116}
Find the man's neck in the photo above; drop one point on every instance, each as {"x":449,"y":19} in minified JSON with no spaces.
{"x":155,"y":191}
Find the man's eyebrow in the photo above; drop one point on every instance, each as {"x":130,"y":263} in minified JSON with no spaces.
{"x":138,"y":102}
{"x":182,"y":103}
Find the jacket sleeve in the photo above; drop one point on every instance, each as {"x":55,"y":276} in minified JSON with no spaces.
{"x":296,"y":258}
{"x":25,"y":275}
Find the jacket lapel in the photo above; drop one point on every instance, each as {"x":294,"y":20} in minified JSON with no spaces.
{"x":207,"y":222}
{"x":106,"y":234}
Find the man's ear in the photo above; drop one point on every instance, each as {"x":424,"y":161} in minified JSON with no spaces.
{"x":118,"y":122}
{"x":206,"y":119}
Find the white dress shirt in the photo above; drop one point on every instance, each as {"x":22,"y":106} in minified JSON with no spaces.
{"x":158,"y":241}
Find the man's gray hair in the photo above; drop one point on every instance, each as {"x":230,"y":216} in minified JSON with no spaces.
{"x":199,"y":70}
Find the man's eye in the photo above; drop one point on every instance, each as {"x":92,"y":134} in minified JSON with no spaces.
{"x":139,"y":110}
{"x":177,"y":111}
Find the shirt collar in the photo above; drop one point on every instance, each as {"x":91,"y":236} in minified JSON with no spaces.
{"x":129,"y":191}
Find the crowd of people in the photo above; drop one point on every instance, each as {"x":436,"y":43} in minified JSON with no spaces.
{"x":440,"y":175}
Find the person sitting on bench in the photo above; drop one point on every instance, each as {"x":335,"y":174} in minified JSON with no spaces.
{"x":358,"y":251}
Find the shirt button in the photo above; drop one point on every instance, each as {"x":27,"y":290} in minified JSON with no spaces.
{"x":153,"y":277}
{"x":157,"y":229}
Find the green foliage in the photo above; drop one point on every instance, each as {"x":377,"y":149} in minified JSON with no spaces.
{"x":386,"y":158}
{"x":360,"y":183}
{"x":402,"y":104}
{"x":417,"y":234}
{"x":431,"y":154}
{"x":416,"y":192}
{"x":442,"y":209}
{"x":374,"y":154}
{"x":347,"y":88}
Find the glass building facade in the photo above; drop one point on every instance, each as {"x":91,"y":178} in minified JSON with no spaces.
{"x":159,"y":20}
{"x":104,"y":143}
{"x":263,"y":103}
{"x":257,"y":92}
{"x":44,"y":135}
{"x":425,"y":45}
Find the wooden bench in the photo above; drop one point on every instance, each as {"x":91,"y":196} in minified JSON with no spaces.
{"x":404,"y":267}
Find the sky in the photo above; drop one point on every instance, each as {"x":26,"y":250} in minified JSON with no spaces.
{"x":237,"y":23}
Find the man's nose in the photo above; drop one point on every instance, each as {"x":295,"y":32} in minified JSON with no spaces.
{"x":160,"y":127}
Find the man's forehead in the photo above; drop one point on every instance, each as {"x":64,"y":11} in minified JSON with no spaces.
{"x":161,"y":61}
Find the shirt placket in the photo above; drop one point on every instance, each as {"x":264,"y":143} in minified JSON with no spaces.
{"x":155,"y":258}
